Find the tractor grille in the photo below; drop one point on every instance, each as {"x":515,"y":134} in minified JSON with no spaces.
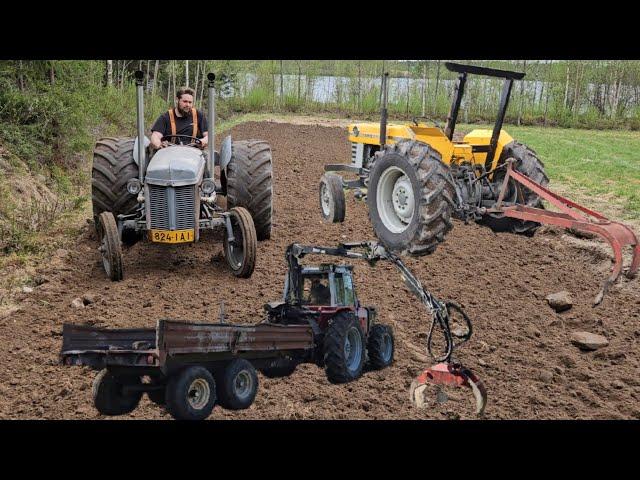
{"x":354,"y":152}
{"x":163,"y":215}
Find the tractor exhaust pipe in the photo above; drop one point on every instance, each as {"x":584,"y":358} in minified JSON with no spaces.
{"x":383,"y":113}
{"x":139,"y":75}
{"x":211,"y":119}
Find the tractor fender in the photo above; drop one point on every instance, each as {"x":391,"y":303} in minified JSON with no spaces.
{"x":135,"y":149}
{"x":225,"y":152}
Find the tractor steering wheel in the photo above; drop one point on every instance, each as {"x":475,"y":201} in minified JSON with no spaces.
{"x":435,"y":122}
{"x":195,"y":143}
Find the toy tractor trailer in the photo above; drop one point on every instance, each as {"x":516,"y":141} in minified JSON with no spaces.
{"x":170,"y":196}
{"x":191,"y":367}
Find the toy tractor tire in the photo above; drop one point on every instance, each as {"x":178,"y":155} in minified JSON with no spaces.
{"x":159,"y":396}
{"x":110,"y":247}
{"x":279,"y":370}
{"x":249,"y":182}
{"x":411,"y":197}
{"x":527,"y":163}
{"x":331,"y":196}
{"x":237,"y":385}
{"x":108,"y":397}
{"x":191,"y":394}
{"x":242,"y":261}
{"x":380,"y":347}
{"x":113,"y":166}
{"x":344,"y":349}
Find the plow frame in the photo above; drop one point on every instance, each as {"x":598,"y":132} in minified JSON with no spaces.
{"x":574,"y":216}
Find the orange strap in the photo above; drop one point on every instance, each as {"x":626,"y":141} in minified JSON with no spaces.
{"x":172,"y":120}
{"x":195,"y":122}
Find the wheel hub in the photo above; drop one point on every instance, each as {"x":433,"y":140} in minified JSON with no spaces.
{"x":395,"y":199}
{"x":326,"y":199}
{"x":199,"y":393}
{"x":243,"y":384}
{"x":352,"y":349}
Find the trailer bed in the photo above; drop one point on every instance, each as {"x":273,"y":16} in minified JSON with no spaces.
{"x":177,"y":342}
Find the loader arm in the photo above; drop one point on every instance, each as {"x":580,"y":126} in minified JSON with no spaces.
{"x":446,"y":371}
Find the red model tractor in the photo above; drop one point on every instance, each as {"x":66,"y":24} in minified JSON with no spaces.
{"x":324,"y":297}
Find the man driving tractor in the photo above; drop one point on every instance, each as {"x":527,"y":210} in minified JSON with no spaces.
{"x":181,"y":120}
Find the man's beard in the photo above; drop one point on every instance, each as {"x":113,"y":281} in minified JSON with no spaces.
{"x":185,"y":111}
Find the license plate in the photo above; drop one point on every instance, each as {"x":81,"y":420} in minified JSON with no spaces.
{"x":171,"y":236}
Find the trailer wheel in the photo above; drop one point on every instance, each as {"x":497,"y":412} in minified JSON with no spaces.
{"x":237,"y":385}
{"x":109,"y":397}
{"x":380,"y":347}
{"x":344,"y":349}
{"x":110,"y":246}
{"x":191,"y":394}
{"x":332,"y":201}
{"x":241,"y":254}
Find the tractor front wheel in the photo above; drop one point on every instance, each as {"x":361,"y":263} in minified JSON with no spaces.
{"x":380,"y":347}
{"x":241,"y":252}
{"x":110,"y":247}
{"x":410,"y":197}
{"x":332,"y":201}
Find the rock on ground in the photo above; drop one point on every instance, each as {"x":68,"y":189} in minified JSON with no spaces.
{"x":560,"y":301}
{"x":588,"y":341}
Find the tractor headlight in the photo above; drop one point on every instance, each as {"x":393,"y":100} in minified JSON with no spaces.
{"x":134,"y":186}
{"x":208,"y":186}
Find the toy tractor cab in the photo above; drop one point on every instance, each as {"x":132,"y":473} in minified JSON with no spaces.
{"x":324,"y":297}
{"x":172,"y":197}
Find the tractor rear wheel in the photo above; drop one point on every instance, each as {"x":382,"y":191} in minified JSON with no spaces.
{"x":411,"y":198}
{"x":113,"y":166}
{"x":344,"y":349}
{"x":527,"y":163}
{"x":249,"y":182}
{"x":241,"y":253}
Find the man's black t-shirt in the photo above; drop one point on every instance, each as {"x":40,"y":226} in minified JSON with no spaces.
{"x":184,"y":125}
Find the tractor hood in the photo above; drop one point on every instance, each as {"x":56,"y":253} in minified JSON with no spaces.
{"x":175,"y":166}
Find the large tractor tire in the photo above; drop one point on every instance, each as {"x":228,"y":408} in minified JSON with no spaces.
{"x":527,"y":163}
{"x":113,"y":167}
{"x":249,"y":182}
{"x":410,"y":197}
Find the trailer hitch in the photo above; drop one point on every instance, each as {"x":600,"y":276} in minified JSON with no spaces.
{"x":576,"y":217}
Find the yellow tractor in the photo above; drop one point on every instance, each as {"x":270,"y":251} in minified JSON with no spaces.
{"x":416,"y":177}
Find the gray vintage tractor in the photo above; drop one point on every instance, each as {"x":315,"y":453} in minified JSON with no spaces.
{"x":172,"y":198}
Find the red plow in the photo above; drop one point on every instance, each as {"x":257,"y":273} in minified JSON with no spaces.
{"x":575,"y":217}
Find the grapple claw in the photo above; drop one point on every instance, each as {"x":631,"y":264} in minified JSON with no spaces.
{"x":448,"y":374}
